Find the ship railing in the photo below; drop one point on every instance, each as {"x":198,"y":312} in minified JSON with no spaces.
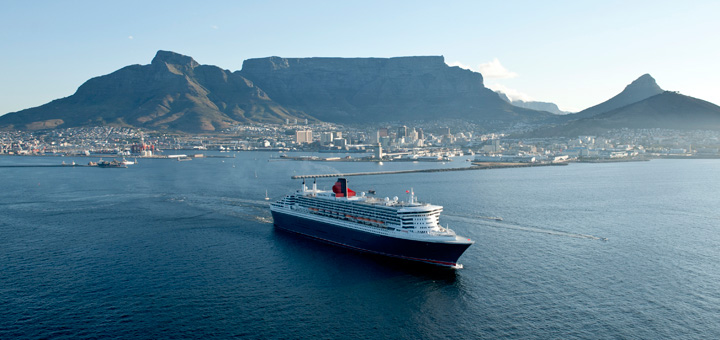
{"x":443,"y":232}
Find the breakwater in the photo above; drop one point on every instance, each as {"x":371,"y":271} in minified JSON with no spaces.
{"x":475,"y":166}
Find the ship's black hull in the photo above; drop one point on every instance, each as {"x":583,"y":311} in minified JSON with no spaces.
{"x":442,"y":254}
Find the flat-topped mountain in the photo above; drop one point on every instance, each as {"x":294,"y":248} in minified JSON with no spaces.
{"x":380,"y":89}
{"x":174,"y":92}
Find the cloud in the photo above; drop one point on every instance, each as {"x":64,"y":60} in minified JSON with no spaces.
{"x":215,"y":27}
{"x":511,"y":93}
{"x":494,"y":70}
{"x":131,"y":37}
{"x":490,"y":70}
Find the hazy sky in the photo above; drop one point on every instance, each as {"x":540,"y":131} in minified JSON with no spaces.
{"x":573,"y":53}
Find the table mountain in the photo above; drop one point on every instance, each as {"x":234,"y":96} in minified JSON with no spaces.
{"x":359,"y":90}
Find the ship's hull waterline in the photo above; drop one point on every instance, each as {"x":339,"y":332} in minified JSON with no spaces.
{"x":444,"y":253}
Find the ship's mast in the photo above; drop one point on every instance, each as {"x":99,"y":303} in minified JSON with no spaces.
{"x":412,"y":196}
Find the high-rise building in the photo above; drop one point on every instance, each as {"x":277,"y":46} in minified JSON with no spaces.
{"x":327,"y":137}
{"x":402,"y":132}
{"x":411,"y":135}
{"x":303,"y":136}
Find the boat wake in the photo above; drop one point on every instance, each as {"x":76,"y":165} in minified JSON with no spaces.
{"x":497,"y":222}
{"x":263,"y":219}
{"x":245,"y":209}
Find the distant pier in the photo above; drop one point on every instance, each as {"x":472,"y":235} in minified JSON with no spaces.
{"x":44,"y":166}
{"x":476,"y":166}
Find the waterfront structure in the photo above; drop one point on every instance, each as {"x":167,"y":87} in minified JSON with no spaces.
{"x":506,"y":158}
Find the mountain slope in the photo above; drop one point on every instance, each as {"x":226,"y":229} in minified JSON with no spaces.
{"x":380,"y":89}
{"x":533,"y":105}
{"x":668,"y":110}
{"x":174,"y":92}
{"x":640,"y":89}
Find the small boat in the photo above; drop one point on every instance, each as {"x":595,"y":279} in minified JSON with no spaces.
{"x":111,"y":164}
{"x":267,"y":198}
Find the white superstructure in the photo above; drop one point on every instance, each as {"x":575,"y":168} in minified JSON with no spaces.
{"x":390,"y":217}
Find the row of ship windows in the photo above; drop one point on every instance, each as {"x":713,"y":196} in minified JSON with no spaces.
{"x":416,"y":214}
{"x":351,"y":210}
{"x":342,"y":217}
{"x":331,"y":212}
{"x":347,"y":204}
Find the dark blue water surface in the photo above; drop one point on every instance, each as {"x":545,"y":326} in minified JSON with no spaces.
{"x":168,"y":249}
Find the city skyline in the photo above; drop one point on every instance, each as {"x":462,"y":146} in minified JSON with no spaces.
{"x":572,"y":54}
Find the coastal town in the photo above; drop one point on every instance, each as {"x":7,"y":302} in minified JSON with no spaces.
{"x":390,"y":142}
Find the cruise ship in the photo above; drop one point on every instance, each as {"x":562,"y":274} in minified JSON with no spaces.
{"x":403,"y":229}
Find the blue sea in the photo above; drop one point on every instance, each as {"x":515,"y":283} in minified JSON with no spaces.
{"x":177,"y":250}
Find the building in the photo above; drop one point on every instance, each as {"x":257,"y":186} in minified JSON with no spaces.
{"x":327,"y":138}
{"x":303,"y":136}
{"x":402,"y":132}
{"x":378,"y":151}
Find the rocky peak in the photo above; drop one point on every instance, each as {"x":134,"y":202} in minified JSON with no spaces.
{"x":640,"y":89}
{"x":176,"y":63}
{"x":646,"y":83}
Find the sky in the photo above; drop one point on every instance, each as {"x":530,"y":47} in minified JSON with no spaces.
{"x":573,"y":53}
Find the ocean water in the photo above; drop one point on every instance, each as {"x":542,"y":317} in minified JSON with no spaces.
{"x":177,"y":250}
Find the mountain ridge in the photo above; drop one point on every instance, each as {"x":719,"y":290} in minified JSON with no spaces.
{"x":379,"y":89}
{"x":175,"y":92}
{"x":533,"y":105}
{"x":667,"y":110}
